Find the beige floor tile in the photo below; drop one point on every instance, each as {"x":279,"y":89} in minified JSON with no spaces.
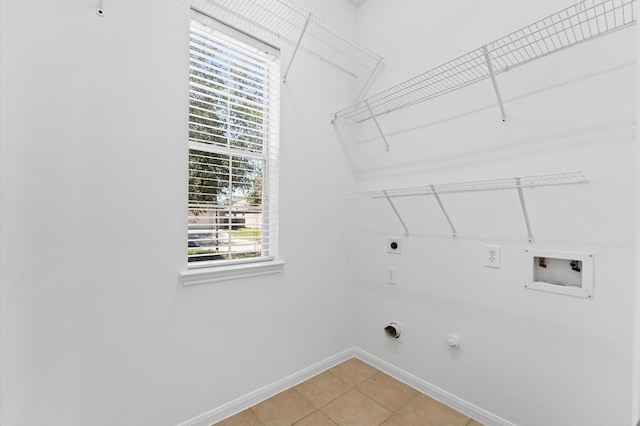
{"x":322,"y":389}
{"x":423,"y":410}
{"x":283,"y":409}
{"x":354,"y":371}
{"x":391,"y":393}
{"x":316,"y":419}
{"x":243,"y":418}
{"x":356,"y":409}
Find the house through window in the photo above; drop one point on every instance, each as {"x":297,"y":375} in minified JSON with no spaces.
{"x":233,"y":133}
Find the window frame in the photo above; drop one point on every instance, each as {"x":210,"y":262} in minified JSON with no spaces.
{"x":199,"y":272}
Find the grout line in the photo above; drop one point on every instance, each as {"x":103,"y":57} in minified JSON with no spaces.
{"x":254,"y":414}
{"x":319,"y":409}
{"x":418,"y":393}
{"x":351,"y":387}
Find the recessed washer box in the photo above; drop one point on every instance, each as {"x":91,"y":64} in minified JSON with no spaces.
{"x":562,"y":272}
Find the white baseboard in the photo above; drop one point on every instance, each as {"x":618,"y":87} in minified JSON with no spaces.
{"x":249,"y":400}
{"x":253,"y":398}
{"x":435,"y":392}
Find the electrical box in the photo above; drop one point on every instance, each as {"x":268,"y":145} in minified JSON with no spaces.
{"x":562,"y":272}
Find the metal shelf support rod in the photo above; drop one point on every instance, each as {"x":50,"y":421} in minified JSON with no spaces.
{"x":487,"y":60}
{"x":375,"y":120}
{"x":524,"y":211}
{"x":406,"y":230}
{"x":293,"y":55}
{"x":437,"y":197}
{"x":369,"y":80}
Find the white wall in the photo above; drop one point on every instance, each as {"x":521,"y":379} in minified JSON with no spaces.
{"x":528,"y":357}
{"x":636,"y":358}
{"x":96,"y":328}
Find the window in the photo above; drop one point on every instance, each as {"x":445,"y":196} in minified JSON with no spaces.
{"x":233,"y":132}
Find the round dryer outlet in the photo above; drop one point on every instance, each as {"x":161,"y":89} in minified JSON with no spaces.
{"x":394,"y":245}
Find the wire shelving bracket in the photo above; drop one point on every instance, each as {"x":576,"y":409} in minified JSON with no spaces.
{"x":492,"y":74}
{"x":375,"y":121}
{"x":274,"y":20}
{"x":395,"y":210}
{"x":446,"y":216}
{"x":524,"y":210}
{"x":576,"y":24}
{"x":517,"y":183}
{"x":295,"y":50}
{"x":100,"y":8}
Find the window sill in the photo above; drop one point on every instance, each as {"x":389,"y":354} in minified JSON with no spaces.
{"x":230,"y":272}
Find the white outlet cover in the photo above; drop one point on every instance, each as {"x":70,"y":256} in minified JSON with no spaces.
{"x":492,"y":256}
{"x":391,"y":275}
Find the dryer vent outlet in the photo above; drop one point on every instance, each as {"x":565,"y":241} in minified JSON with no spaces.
{"x":393,"y":330}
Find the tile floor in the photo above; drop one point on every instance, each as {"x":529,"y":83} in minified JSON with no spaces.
{"x":352,"y":393}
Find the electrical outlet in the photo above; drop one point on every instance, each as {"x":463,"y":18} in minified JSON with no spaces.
{"x":391,"y":275}
{"x":492,"y":256}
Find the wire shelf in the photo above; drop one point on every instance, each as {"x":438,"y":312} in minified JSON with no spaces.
{"x":293,"y":24}
{"x":515,"y":183}
{"x":576,"y":24}
{"x":482,"y":185}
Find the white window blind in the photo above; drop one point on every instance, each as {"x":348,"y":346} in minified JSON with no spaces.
{"x":233,"y":132}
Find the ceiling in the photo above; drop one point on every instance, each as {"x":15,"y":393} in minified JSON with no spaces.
{"x":356,"y":3}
